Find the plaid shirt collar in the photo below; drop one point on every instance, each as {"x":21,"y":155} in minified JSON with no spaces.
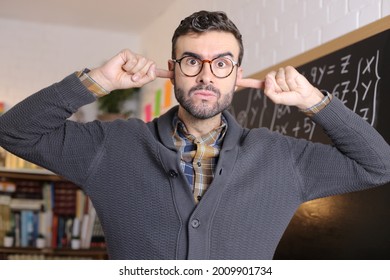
{"x":199,"y":155}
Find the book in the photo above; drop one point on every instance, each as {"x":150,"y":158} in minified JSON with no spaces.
{"x":5,"y":216}
{"x":28,"y":189}
{"x":16,"y":224}
{"x":65,"y":197}
{"x":18,"y":204}
{"x":81,"y":202}
{"x":54,"y":231}
{"x":87,"y":226}
{"x":13,"y":162}
{"x":23,"y":228}
{"x":7,"y":187}
{"x":97,"y":238}
{"x":46,"y":220}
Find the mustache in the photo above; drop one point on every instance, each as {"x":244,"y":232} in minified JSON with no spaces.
{"x":205,"y":87}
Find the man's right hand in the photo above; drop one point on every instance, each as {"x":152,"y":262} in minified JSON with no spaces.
{"x":127,"y":70}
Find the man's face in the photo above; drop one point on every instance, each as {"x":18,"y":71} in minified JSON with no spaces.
{"x":205,"y":95}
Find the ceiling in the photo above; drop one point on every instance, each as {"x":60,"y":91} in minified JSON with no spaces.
{"x":115,"y":15}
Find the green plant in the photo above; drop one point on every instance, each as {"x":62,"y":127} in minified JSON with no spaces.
{"x":113,"y":102}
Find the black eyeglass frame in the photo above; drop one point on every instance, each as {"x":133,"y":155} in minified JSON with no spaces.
{"x":234,"y":64}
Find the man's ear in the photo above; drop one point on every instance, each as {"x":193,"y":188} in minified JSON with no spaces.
{"x":171,"y":67}
{"x":239,"y":76}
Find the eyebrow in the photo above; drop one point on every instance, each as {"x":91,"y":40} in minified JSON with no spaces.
{"x":200,"y":57}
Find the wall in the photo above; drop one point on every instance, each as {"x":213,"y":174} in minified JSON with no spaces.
{"x":273,"y":30}
{"x":35,"y":55}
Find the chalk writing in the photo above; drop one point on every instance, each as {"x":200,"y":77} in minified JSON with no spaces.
{"x":352,"y":74}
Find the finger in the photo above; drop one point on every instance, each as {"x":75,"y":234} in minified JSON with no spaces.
{"x":139,"y":73}
{"x":149,"y":76}
{"x":161,"y":73}
{"x":270,"y":84}
{"x":298,"y":80}
{"x":280,"y":78}
{"x":250,"y":83}
{"x":129,"y":60}
{"x":142,"y":65}
{"x":291,"y":77}
{"x":135,"y":64}
{"x":272,"y":90}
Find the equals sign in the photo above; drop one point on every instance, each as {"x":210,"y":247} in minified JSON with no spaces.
{"x":331,"y":69}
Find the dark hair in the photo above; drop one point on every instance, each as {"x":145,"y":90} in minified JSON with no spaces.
{"x":204,"y":21}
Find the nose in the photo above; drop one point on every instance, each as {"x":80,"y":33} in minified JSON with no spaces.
{"x":205,"y":76}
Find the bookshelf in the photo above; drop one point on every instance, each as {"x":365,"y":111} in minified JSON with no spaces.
{"x":47,"y":217}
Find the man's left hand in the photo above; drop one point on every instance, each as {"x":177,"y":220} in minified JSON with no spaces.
{"x":287,"y":86}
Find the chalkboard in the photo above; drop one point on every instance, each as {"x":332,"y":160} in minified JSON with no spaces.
{"x":358,"y":75}
{"x":356,"y":69}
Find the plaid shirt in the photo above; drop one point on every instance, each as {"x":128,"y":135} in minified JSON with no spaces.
{"x":199,"y":155}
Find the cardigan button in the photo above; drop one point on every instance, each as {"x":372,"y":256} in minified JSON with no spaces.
{"x":173,"y":173}
{"x":195,"y":223}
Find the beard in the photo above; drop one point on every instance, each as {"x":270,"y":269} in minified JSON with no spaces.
{"x":205,"y":110}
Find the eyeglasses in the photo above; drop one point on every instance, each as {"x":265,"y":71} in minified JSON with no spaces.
{"x":221,"y":67}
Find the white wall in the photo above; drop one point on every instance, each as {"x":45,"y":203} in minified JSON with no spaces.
{"x":273,"y":30}
{"x":34,"y":55}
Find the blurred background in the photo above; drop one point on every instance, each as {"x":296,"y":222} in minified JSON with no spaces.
{"x":43,"y":41}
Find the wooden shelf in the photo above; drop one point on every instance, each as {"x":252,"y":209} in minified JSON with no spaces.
{"x":29,"y":174}
{"x":92,"y":253}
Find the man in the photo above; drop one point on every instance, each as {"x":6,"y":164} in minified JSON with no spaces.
{"x":193,"y":184}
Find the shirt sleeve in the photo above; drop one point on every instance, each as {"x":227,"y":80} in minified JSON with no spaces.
{"x":90,"y":83}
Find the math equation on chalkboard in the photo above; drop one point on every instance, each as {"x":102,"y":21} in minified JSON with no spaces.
{"x":356,"y":75}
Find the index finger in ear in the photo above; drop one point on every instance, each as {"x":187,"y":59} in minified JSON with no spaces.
{"x":250,"y":83}
{"x":161,"y":73}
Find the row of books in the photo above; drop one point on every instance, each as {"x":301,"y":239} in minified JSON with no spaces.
{"x":55,"y":215}
{"x":11,"y":161}
{"x":45,"y":257}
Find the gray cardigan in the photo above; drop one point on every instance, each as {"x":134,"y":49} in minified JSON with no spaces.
{"x":131,"y":171}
